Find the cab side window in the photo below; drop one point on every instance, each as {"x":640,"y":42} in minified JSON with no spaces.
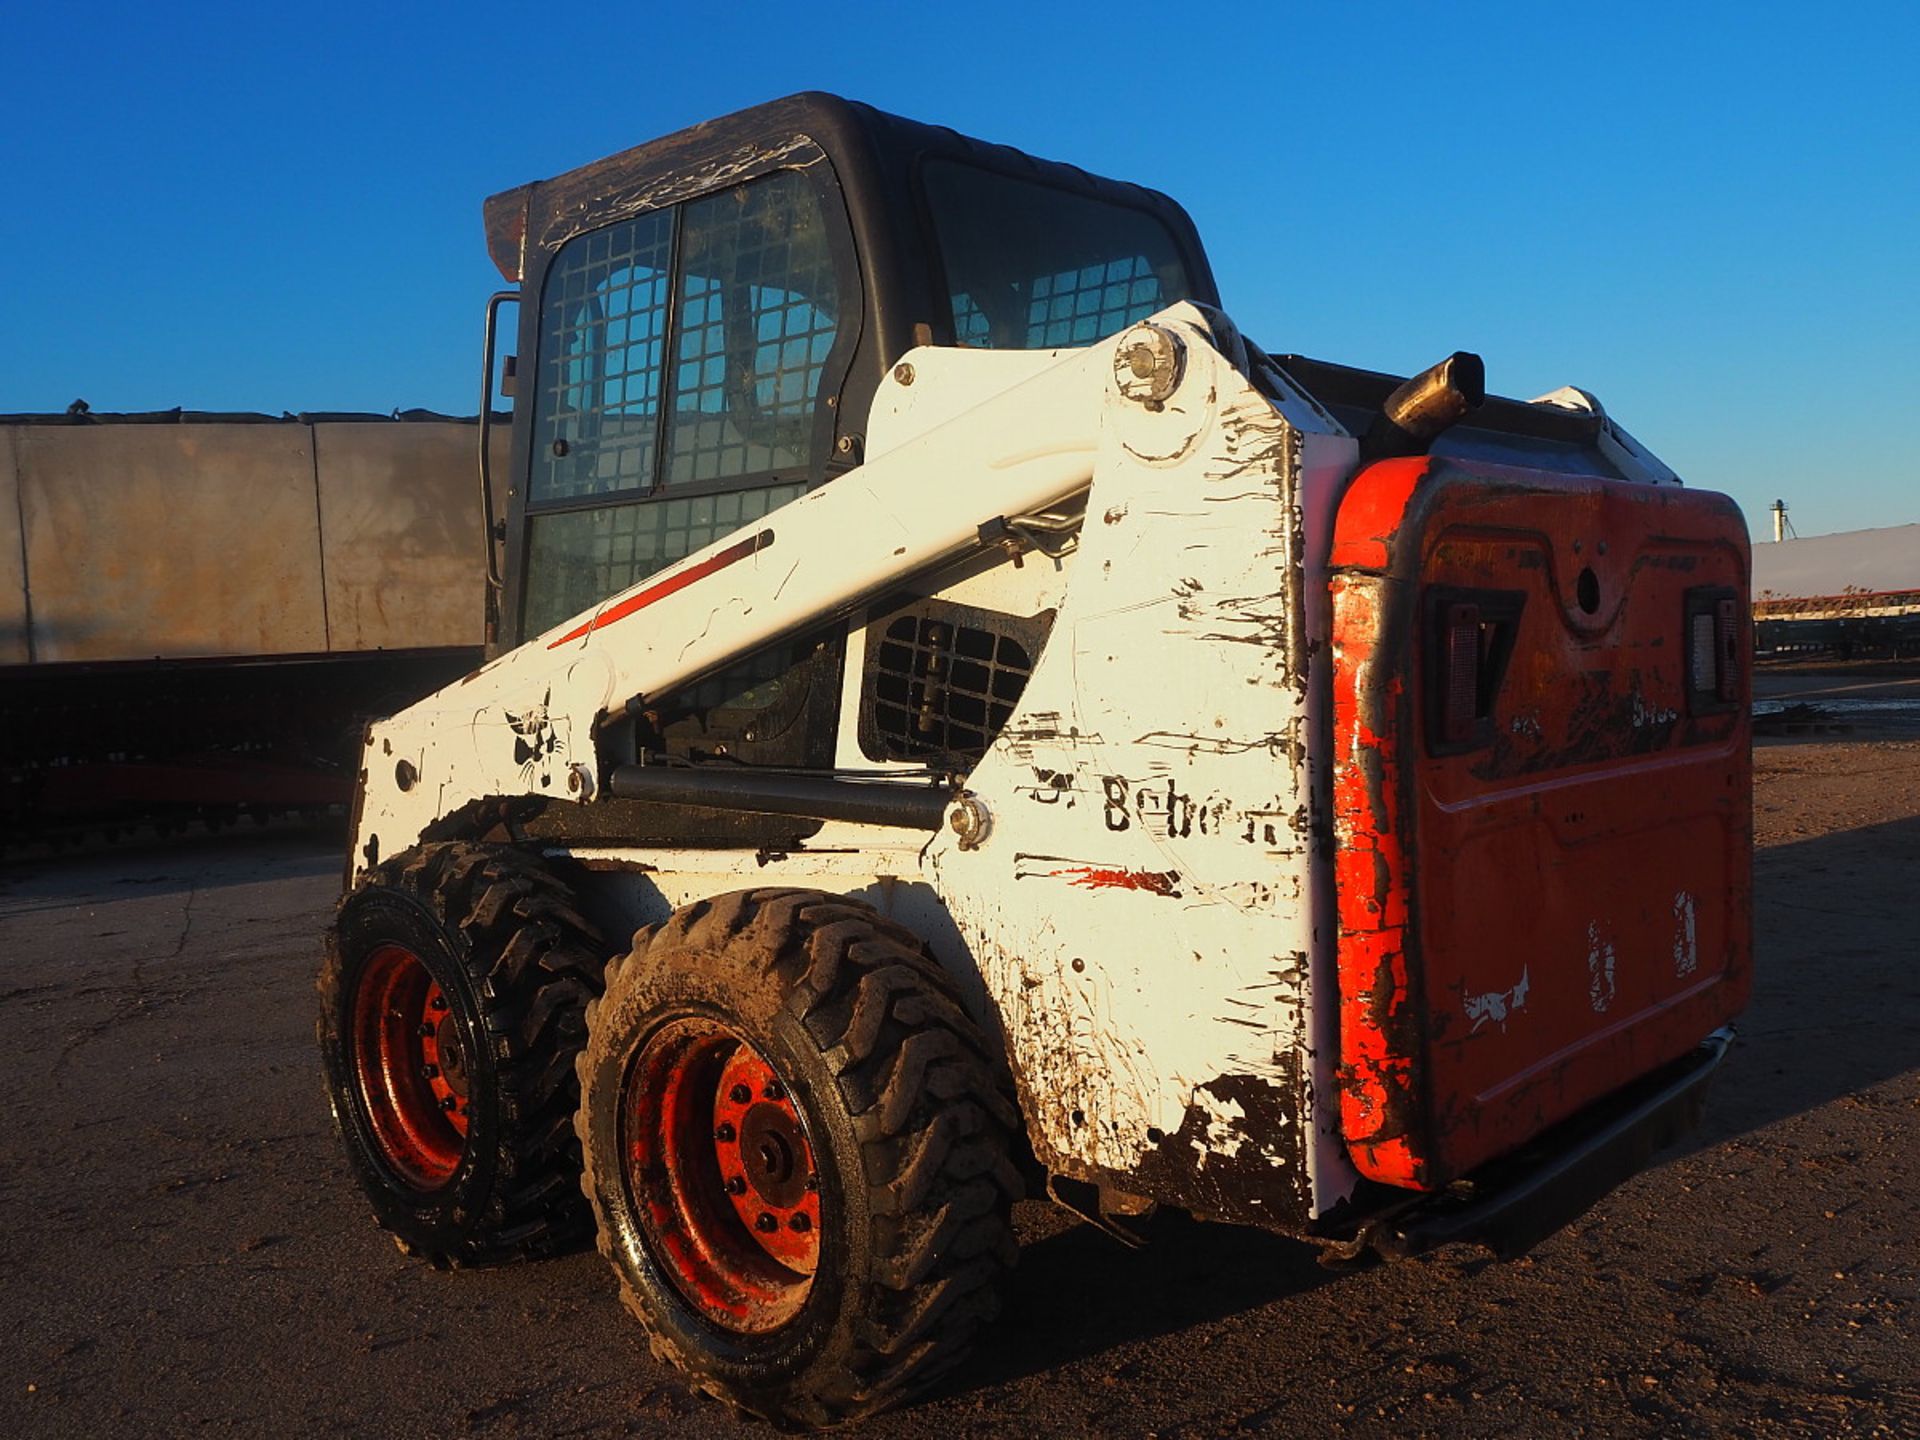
{"x":682,"y":355}
{"x":757,"y":321}
{"x":1030,"y":267}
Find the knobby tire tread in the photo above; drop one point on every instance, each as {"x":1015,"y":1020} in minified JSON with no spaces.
{"x":934,"y":1125}
{"x":533,"y":963}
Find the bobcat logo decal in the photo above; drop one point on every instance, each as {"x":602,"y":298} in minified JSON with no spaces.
{"x":536,"y":743}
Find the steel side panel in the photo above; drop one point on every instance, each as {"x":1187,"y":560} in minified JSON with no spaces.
{"x":148,"y":541}
{"x":13,"y":569}
{"x":1381,"y":1045}
{"x":1533,"y":923}
{"x":401,"y":533}
{"x":1142,"y":912}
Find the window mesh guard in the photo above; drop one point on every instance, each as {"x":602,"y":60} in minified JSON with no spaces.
{"x":942,"y":680}
{"x":603,"y":325}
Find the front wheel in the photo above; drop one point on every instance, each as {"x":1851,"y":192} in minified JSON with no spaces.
{"x":797,"y":1154}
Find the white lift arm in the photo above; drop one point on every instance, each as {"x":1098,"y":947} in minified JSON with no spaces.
{"x":523,"y":723}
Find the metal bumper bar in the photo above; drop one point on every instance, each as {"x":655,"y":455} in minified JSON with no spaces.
{"x":1513,"y":1205}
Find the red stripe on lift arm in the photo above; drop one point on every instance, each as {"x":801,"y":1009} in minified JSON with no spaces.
{"x":633,"y":604}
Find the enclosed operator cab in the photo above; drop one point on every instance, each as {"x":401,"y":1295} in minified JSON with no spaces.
{"x":705,"y":321}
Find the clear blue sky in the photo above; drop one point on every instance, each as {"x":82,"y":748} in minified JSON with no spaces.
{"x":1709,"y":215}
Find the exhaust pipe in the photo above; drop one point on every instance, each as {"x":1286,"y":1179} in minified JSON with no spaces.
{"x":1416,"y":414}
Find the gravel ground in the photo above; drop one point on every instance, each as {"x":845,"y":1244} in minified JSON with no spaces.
{"x":184,"y":1250}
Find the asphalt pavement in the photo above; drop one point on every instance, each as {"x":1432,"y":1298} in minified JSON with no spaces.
{"x":184,"y":1251}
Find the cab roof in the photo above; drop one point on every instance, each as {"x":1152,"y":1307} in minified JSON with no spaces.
{"x":873,"y":153}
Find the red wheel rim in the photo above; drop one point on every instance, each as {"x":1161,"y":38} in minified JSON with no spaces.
{"x":721,"y":1173}
{"x":411,"y":1067}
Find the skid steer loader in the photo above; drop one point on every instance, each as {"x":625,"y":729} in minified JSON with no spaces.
{"x":1039,"y":743}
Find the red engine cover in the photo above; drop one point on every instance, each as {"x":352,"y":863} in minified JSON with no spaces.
{"x":1544,"y":859}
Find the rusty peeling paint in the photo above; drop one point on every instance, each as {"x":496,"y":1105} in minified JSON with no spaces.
{"x":1236,"y":1154}
{"x":1380,"y":1040}
{"x":1588,"y":733}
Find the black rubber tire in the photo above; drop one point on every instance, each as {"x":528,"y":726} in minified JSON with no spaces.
{"x":518,"y":965}
{"x":910,"y":1130}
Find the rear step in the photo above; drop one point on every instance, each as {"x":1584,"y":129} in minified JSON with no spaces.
{"x":1514,"y":1204}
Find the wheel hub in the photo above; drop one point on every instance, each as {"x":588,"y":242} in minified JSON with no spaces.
{"x":770,"y":1144}
{"x":410,"y":1067}
{"x":722,"y":1175}
{"x":452,"y":1059}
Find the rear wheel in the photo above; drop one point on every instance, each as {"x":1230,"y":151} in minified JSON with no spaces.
{"x":453,"y":1002}
{"x":797,"y":1154}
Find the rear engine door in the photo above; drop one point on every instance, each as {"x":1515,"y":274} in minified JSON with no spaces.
{"x":1542,"y":798}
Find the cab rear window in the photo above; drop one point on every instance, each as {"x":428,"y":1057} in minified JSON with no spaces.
{"x":1029,"y":267}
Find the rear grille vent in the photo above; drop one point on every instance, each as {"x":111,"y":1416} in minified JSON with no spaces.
{"x":1470,"y":639}
{"x":1716,"y":639}
{"x":941,"y":680}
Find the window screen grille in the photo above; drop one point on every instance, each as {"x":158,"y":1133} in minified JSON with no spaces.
{"x":752,"y":326}
{"x":970,"y":323}
{"x":758,"y":311}
{"x":576,"y":558}
{"x":1078,"y":307}
{"x":942,"y":680}
{"x":603,"y":326}
{"x":1030,"y":267}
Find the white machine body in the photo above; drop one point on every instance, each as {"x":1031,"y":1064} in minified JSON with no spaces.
{"x":1135,"y":888}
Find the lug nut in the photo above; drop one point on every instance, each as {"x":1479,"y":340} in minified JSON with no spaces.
{"x":774,"y":1090}
{"x":425,"y":1032}
{"x":427,"y":1072}
{"x":739,"y":1094}
{"x":801,"y":1223}
{"x":736,"y":1186}
{"x":439,"y":1002}
{"x":766,"y":1224}
{"x":723,"y":1133}
{"x":449,"y":1104}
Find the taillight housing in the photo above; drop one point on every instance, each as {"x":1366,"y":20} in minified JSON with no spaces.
{"x":1716,"y":661}
{"x":1469,"y":639}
